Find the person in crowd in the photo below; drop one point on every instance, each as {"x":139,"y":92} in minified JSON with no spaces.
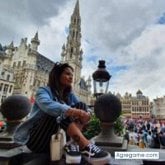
{"x":141,"y":143}
{"x":162,"y":139}
{"x":155,"y":136}
{"x":56,"y":103}
{"x":148,"y":125}
{"x":150,"y":142}
{"x":136,"y":137}
{"x":126,"y":136}
{"x":144,"y":136}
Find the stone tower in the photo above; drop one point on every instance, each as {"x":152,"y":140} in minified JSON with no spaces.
{"x":71,"y":51}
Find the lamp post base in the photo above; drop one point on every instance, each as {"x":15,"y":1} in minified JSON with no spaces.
{"x":109,"y":141}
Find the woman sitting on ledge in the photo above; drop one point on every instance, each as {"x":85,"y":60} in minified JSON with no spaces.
{"x":53,"y":101}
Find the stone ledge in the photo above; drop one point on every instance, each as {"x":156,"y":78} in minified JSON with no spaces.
{"x":21,"y":156}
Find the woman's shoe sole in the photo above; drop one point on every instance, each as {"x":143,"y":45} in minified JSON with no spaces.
{"x":98,"y":161}
{"x":73,"y":159}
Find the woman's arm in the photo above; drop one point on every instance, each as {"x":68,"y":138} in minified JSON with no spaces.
{"x":46,"y":103}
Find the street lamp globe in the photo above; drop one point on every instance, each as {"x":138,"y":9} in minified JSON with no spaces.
{"x":101,"y":79}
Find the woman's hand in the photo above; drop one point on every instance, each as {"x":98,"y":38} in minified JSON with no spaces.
{"x":79,"y":115}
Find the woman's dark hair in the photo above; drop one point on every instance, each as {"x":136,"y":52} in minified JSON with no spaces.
{"x":54,"y":81}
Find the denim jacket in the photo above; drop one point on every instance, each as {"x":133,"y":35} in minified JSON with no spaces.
{"x":45,"y":103}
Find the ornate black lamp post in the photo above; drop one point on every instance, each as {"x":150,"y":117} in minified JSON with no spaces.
{"x":107,"y":108}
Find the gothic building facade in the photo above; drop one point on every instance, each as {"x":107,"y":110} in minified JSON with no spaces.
{"x":29,"y":66}
{"x":158,"y":109}
{"x":31,"y":69}
{"x":6,"y":77}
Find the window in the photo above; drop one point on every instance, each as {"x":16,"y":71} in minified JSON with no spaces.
{"x":2,"y":73}
{"x":14,"y":64}
{"x":19,"y":64}
{"x":10,"y":89}
{"x":71,"y":52}
{"x":24,"y":63}
{"x":34,"y":82}
{"x":8,"y":77}
{"x":1,"y":85}
{"x":76,"y":35}
{"x":5,"y":88}
{"x":73,"y":34}
{"x":3,"y":98}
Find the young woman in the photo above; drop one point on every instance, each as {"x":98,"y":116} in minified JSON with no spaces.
{"x":57,"y":101}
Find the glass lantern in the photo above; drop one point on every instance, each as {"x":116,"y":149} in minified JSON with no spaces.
{"x":101,"y":79}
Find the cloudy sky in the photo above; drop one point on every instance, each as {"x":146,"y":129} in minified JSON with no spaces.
{"x":128,"y":34}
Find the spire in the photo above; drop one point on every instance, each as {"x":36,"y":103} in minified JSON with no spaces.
{"x":36,"y":36}
{"x":72,"y":53}
{"x":11,"y":46}
{"x":35,"y":42}
{"x":63,"y":47}
{"x":76,"y":9}
{"x":10,"y":49}
{"x":35,"y":39}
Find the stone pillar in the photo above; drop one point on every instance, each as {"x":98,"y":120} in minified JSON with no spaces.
{"x":14,"y":109}
{"x":108,"y":108}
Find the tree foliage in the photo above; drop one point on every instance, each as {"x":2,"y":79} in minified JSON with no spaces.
{"x":94,"y":127}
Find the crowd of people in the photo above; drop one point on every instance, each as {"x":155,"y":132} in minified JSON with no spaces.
{"x":145,"y":133}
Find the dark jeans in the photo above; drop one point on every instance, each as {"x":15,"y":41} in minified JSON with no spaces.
{"x":44,"y":128}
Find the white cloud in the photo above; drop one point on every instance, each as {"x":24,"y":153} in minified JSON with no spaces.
{"x":146,"y":69}
{"x":53,"y":35}
{"x":123,"y":33}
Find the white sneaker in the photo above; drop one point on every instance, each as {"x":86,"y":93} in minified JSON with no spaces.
{"x":72,"y":153}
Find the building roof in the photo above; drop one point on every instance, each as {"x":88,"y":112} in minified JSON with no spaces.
{"x":44,"y":63}
{"x":139,"y":92}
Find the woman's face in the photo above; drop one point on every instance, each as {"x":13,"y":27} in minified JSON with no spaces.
{"x":66,"y":77}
